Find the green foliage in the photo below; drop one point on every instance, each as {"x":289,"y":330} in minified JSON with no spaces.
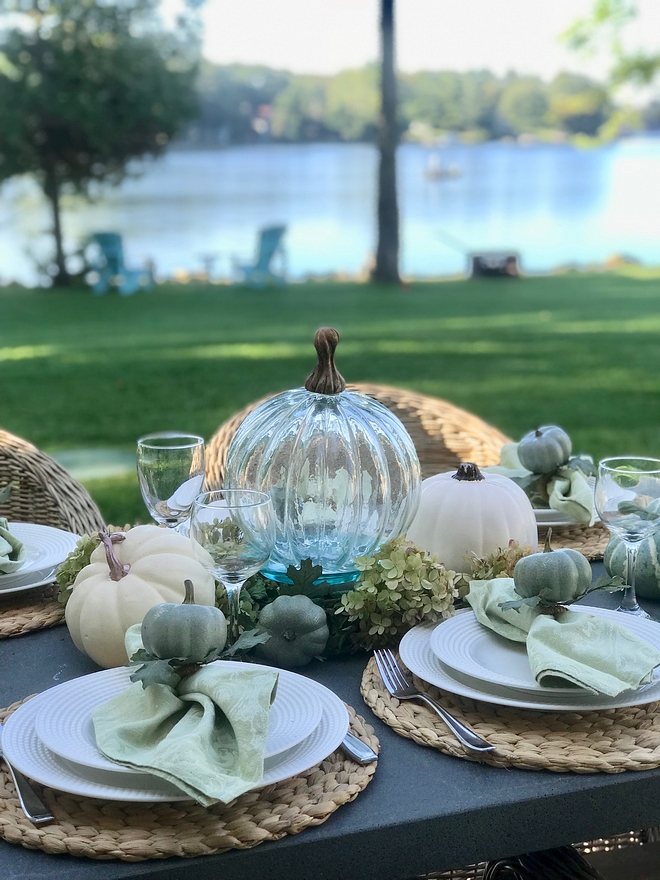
{"x":603,"y":30}
{"x":523,"y":104}
{"x":77,"y":560}
{"x":577,"y":104}
{"x":499,"y":564}
{"x":399,"y":587}
{"x":86,"y":86}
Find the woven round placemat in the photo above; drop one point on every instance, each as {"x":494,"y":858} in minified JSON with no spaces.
{"x":589,"y":540}
{"x":606,"y":741}
{"x":27,"y":612}
{"x":136,"y":832}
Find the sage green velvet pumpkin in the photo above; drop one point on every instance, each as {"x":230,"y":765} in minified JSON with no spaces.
{"x":544,"y":450}
{"x":197,"y":633}
{"x":298,"y":631}
{"x":647,"y":564}
{"x":554,"y":575}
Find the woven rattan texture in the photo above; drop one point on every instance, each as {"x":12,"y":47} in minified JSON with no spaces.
{"x":608,"y":741}
{"x":136,"y":832}
{"x":444,"y":435}
{"x":27,"y":612}
{"x":42,"y":492}
{"x":589,"y":540}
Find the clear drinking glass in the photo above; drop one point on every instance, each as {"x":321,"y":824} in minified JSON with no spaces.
{"x":233,"y":534}
{"x":627,"y":493}
{"x":170,"y":468}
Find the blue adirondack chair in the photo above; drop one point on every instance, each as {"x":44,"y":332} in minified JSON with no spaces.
{"x":112,"y":271}
{"x":259,"y":273}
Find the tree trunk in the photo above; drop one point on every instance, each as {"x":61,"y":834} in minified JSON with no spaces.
{"x":387,"y":253}
{"x":52,"y":192}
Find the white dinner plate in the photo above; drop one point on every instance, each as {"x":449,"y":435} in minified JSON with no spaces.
{"x":46,"y":548}
{"x":27,"y":753}
{"x":467,"y":647}
{"x":553,"y":518}
{"x":64,"y":719}
{"x":415,"y":651}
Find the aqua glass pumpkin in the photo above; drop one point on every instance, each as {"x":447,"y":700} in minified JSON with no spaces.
{"x":341,"y":470}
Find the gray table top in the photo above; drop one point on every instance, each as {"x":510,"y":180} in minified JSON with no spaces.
{"x":422,"y":812}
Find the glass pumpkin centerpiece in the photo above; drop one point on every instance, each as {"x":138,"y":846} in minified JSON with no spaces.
{"x":341,"y":470}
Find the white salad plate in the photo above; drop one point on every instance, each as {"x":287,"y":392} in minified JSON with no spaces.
{"x":64,"y":719}
{"x":469,"y":648}
{"x":416,"y":653}
{"x":27,"y":753}
{"x":46,"y":548}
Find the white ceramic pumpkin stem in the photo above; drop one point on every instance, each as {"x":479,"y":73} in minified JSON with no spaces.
{"x":325,"y":379}
{"x":190,"y":593}
{"x":117,"y":570}
{"x":468,"y":471}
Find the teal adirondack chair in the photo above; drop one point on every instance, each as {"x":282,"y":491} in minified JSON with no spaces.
{"x":112,"y":271}
{"x":259,"y":273}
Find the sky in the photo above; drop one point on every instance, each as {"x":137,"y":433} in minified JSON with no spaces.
{"x":325,"y":36}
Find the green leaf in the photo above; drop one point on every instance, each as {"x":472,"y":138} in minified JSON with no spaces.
{"x":516,"y":604}
{"x":584,"y":463}
{"x":535,"y":486}
{"x":302,"y":580}
{"x":5,"y":492}
{"x":247,"y":640}
{"x":156,"y":672}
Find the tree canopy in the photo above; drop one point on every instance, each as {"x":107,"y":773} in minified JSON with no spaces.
{"x":85,"y":87}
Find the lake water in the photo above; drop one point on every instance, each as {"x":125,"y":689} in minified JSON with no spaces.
{"x":556,"y":205}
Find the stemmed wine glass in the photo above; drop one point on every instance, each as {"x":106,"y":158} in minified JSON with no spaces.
{"x":626,"y":493}
{"x":233,"y":534}
{"x":170,"y":468}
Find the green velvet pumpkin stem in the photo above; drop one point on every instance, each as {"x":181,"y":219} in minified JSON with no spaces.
{"x":547,"y":547}
{"x":325,"y":379}
{"x":190,"y":593}
{"x":469,"y":472}
{"x":117,"y":570}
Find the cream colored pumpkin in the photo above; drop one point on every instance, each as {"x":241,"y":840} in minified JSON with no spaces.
{"x":467,"y":512}
{"x":110,"y":595}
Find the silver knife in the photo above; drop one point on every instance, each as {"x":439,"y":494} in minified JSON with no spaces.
{"x":33,"y":807}
{"x":357,"y":750}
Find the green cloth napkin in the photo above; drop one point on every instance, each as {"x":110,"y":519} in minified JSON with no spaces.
{"x":207,"y":738}
{"x":12,"y":551}
{"x":569,"y":491}
{"x":591,"y":652}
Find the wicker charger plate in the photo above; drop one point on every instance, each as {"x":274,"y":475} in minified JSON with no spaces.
{"x":135,"y":832}
{"x":36,"y":609}
{"x":589,"y":540}
{"x":606,"y":741}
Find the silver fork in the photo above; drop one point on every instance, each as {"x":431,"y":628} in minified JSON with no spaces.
{"x":402,"y":688}
{"x":33,"y":807}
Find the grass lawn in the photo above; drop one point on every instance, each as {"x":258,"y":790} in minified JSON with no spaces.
{"x":582,"y":351}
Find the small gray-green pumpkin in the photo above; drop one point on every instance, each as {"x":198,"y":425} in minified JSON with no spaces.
{"x":544,"y":450}
{"x":298,"y":631}
{"x":197,"y":633}
{"x":647,"y":564}
{"x":554,"y":575}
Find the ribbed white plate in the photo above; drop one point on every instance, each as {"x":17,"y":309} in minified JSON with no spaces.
{"x":552,"y":518}
{"x":46,"y":548}
{"x":416,"y":653}
{"x":25,"y":751}
{"x":64,"y":720}
{"x":469,"y":648}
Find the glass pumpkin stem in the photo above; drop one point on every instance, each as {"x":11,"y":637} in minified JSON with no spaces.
{"x":629,"y":601}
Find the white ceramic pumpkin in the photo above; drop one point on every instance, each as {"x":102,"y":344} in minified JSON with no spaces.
{"x":466,"y":512}
{"x":128,"y":574}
